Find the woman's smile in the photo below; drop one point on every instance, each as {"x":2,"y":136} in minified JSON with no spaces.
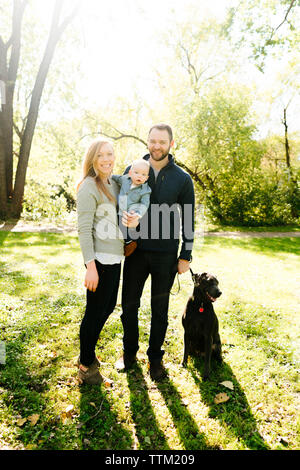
{"x":105,"y":160}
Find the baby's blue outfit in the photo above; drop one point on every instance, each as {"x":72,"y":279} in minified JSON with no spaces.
{"x":136,"y":198}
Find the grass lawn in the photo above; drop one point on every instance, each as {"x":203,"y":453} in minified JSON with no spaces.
{"x":42,"y":406}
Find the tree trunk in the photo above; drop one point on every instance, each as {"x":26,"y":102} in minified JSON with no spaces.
{"x":11,"y":195}
{"x":286,"y":141}
{"x":27,"y":138}
{"x":8,"y":76}
{"x":3,"y":193}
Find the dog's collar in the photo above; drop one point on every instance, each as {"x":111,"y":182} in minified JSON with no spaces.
{"x":201,"y":308}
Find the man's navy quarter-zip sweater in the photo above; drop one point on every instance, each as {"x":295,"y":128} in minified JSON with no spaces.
{"x":172,"y":195}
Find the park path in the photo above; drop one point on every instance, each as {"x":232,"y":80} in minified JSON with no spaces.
{"x":22,"y":226}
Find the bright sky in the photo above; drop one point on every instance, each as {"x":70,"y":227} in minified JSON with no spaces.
{"x":120,"y":46}
{"x":121,"y":41}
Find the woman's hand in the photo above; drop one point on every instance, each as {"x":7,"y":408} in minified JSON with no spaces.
{"x":91,"y":276}
{"x":130,"y":220}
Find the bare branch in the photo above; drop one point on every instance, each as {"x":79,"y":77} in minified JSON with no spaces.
{"x":274,"y":30}
{"x":17,"y":130}
{"x":286,"y":15}
{"x":190,"y":67}
{"x":123,"y":136}
{"x":192,"y":173}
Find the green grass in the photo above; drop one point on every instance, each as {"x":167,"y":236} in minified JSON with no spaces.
{"x":41,"y":305}
{"x":214,"y":227}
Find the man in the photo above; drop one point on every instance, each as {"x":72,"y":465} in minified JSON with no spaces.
{"x":157,"y":250}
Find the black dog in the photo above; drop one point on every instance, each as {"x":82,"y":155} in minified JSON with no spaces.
{"x":200,"y":323}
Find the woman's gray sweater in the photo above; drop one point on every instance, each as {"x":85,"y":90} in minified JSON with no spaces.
{"x":98,"y":229}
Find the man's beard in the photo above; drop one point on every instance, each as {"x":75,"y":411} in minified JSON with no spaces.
{"x":164,"y":155}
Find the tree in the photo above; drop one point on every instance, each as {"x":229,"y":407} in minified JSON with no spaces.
{"x":266,"y":27}
{"x":12,"y":186}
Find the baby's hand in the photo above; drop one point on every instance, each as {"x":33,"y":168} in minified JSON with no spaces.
{"x":134,"y":214}
{"x":131,"y":219}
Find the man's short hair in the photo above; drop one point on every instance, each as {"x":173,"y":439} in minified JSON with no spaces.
{"x":163,"y":127}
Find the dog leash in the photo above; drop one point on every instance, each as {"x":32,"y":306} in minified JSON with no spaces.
{"x":175,"y":293}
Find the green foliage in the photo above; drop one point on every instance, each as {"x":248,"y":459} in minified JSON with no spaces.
{"x":47,"y":201}
{"x":257,"y":200}
{"x":228,"y":163}
{"x":265,"y":26}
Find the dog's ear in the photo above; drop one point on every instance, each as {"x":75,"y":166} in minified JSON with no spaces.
{"x":197,"y":279}
{"x":203,"y":276}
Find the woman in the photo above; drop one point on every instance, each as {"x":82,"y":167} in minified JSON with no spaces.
{"x":102,"y":247}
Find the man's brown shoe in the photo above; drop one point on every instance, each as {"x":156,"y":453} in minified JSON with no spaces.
{"x":157,"y":371}
{"x":125,"y":362}
{"x":129,"y":248}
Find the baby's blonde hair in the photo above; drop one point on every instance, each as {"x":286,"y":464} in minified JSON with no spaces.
{"x":140,"y":161}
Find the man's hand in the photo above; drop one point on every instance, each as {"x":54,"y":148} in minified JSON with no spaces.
{"x":183,"y":266}
{"x":130,"y":220}
{"x":91,"y":276}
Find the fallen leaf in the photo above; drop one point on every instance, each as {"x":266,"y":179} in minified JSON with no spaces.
{"x":258,"y":406}
{"x":68,"y":411}
{"x":33,"y":419}
{"x":108,"y":383}
{"x":64,"y":418}
{"x":21,"y":421}
{"x":227,"y":384}
{"x":221,"y":398}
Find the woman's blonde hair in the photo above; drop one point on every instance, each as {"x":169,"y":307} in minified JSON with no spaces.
{"x":89,"y":167}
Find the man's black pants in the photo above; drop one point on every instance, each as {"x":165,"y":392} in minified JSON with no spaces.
{"x":162,"y":268}
{"x":99,"y":305}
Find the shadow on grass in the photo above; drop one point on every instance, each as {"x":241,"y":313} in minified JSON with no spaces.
{"x":23,"y":239}
{"x":187,"y":428}
{"x":147,"y":429}
{"x":18,"y":282}
{"x":27,"y":390}
{"x":269,"y":246}
{"x":146,"y":423}
{"x":24,"y":393}
{"x":236,"y":413}
{"x":99,"y":428}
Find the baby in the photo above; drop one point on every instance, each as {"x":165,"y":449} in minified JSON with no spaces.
{"x":134,"y":196}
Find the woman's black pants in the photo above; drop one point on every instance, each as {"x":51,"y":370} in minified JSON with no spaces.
{"x":162,"y":268}
{"x":99,"y":305}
